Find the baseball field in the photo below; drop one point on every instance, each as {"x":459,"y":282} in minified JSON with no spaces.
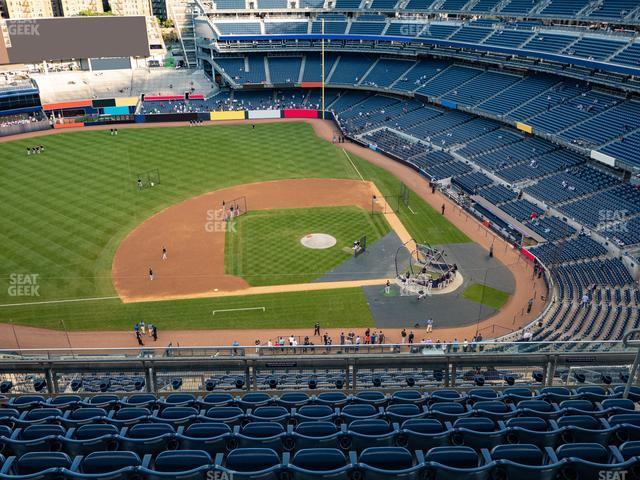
{"x":66,"y":212}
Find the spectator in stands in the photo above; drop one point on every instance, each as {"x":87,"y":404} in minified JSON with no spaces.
{"x":585,"y":299}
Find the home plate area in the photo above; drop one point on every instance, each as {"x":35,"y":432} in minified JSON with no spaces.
{"x":318,"y":241}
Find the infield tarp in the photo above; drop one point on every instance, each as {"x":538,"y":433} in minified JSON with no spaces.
{"x":60,"y":38}
{"x":215,"y":116}
{"x":258,"y":114}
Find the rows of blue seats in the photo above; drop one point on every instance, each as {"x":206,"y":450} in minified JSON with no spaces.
{"x":579,"y":248}
{"x":526,"y":461}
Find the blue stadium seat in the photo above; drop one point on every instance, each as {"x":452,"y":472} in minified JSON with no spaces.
{"x":333,"y":399}
{"x":229,"y":415}
{"x":293,"y":400}
{"x":177,"y":400}
{"x":38,"y":416}
{"x":213,"y":438}
{"x":182,"y":464}
{"x":494,"y":409}
{"x":175,"y":416}
{"x":408,"y":396}
{"x":533,"y":430}
{"x":459,"y":463}
{"x":35,"y":438}
{"x":128,"y":416}
{"x":382,"y":463}
{"x":538,"y":408}
{"x":585,"y":429}
{"x":372,"y":398}
{"x":218,"y":399}
{"x":250,"y":463}
{"x":314,"y":413}
{"x":148,"y":438}
{"x":105,"y":465}
{"x":26,"y":402}
{"x":627,"y":426}
{"x":320,"y":434}
{"x":478,"y":432}
{"x":588,"y":461}
{"x":141,"y":400}
{"x":83,"y":416}
{"x":90,"y":438}
{"x":423,"y":434}
{"x":254,"y":400}
{"x":314,"y":463}
{"x":370,"y":433}
{"x":261,"y":435}
{"x":526,"y":462}
{"x":36,"y":466}
{"x":269,"y":414}
{"x":404,"y":411}
{"x":64,"y":402}
{"x":449,"y":411}
{"x":350,"y":413}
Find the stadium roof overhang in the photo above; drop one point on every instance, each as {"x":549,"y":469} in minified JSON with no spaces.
{"x":508,"y":219}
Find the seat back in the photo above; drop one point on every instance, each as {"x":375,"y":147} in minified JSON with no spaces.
{"x":34,"y":462}
{"x":387,"y":458}
{"x":319,"y":459}
{"x":104,"y":462}
{"x":251,"y":459}
{"x":181,"y":460}
{"x":523,"y":454}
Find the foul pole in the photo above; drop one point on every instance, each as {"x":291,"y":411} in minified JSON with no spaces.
{"x":323,"y":69}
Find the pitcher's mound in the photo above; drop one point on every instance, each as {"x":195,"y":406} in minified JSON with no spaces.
{"x":318,"y":241}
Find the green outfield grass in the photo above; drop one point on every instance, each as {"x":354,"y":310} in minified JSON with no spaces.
{"x":486,"y":295}
{"x":64,"y":212}
{"x":264,"y":247}
{"x":332,"y":308}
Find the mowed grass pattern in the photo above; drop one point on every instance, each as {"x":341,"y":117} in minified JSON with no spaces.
{"x":345,"y":307}
{"x":264,"y":247}
{"x":63,"y":213}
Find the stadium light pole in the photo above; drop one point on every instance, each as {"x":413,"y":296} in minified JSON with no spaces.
{"x":323,"y":72}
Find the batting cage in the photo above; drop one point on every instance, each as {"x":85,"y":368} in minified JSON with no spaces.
{"x":235,"y":207}
{"x":148,"y":179}
{"x":385,"y":204}
{"x":404,"y":194}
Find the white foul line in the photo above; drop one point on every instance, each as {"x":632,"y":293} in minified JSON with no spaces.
{"x":49,"y":302}
{"x":352,"y":164}
{"x":238,"y":310}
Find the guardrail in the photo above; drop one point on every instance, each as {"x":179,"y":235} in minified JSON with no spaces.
{"x":473,"y":349}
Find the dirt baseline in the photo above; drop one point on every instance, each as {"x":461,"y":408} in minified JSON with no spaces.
{"x":193,"y":233}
